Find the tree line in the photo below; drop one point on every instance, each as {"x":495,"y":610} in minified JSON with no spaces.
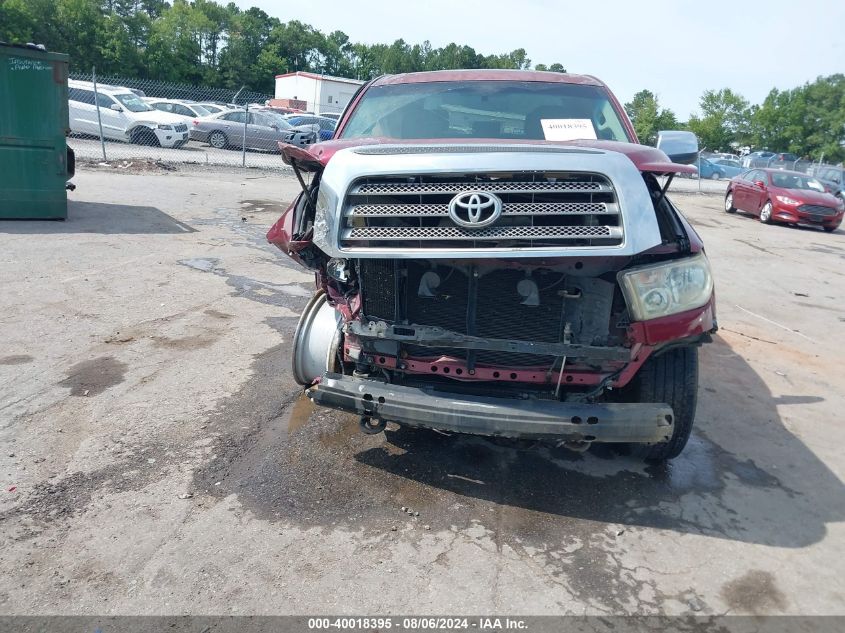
{"x":205,"y":43}
{"x":808,"y":120}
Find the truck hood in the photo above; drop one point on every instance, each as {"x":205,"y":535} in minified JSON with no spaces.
{"x":645,"y":158}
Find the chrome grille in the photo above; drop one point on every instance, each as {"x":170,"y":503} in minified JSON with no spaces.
{"x":517,"y":208}
{"x":491,"y":187}
{"x":817,"y":209}
{"x":180,"y":127}
{"x":495,"y":233}
{"x":539,"y":210}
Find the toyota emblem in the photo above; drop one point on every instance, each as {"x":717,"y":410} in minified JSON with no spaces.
{"x":474,"y":210}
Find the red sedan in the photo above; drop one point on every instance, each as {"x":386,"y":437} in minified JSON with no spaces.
{"x":789,"y":197}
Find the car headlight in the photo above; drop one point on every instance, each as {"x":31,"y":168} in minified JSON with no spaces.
{"x":164,"y":127}
{"x":787,"y":200}
{"x":661,"y":290}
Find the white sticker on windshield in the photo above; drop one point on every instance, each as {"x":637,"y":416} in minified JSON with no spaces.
{"x":567,"y":129}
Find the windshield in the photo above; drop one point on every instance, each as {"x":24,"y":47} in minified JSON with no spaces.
{"x":132,"y":102}
{"x":796,"y":181}
{"x":199,"y":110}
{"x":519,"y":110}
{"x":274,"y":118}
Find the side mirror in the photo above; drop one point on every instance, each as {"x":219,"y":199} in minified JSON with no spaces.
{"x":759,"y":184}
{"x":115,"y":107}
{"x":275,"y":127}
{"x":679,"y":145}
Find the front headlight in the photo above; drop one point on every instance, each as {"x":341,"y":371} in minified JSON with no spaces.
{"x":664,"y":289}
{"x":164,"y":127}
{"x":324,"y":216}
{"x":787,"y":200}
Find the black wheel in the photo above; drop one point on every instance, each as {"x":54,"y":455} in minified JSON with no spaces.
{"x":218,"y":140}
{"x":729,"y":202}
{"x":671,"y":378}
{"x":145,"y":136}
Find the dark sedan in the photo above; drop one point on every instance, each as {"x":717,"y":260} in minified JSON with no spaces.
{"x":789,"y":197}
{"x":833,"y":179}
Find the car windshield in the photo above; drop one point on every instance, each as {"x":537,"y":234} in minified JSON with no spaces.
{"x":519,"y":110}
{"x":796,"y":181}
{"x":730,"y":163}
{"x":132,"y":102}
{"x":274,"y":118}
{"x":199,"y":110}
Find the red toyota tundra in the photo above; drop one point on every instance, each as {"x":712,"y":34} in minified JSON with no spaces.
{"x":495,"y":254}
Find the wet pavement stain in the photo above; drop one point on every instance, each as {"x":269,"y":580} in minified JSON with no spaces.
{"x":203,"y":264}
{"x":195,"y":341}
{"x":16,"y":359}
{"x":263,"y":206}
{"x":265,"y":292}
{"x":92,"y":377}
{"x":371,"y":476}
{"x":754,"y":592}
{"x":217,"y":314}
{"x":559,"y":508}
{"x":300,"y":413}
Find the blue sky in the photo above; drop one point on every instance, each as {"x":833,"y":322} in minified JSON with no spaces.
{"x":675,"y":49}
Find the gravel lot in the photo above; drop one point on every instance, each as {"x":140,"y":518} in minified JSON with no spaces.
{"x":88,"y":149}
{"x":195,"y":153}
{"x":158,"y":459}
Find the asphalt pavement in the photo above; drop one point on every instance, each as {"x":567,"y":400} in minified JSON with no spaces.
{"x":158,"y":457}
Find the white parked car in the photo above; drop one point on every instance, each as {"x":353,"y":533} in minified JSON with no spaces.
{"x":125,"y":117}
{"x":213,"y":108}
{"x":188,"y":110}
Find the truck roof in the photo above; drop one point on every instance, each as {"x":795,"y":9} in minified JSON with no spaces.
{"x":486,"y":75}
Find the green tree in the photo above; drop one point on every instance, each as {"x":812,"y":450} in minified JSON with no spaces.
{"x":648,"y":117}
{"x":724,"y":120}
{"x":174,"y":52}
{"x":808,"y":120}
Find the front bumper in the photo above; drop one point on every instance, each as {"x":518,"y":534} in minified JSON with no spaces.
{"x":504,"y":417}
{"x":792,"y":215}
{"x":171,"y":138}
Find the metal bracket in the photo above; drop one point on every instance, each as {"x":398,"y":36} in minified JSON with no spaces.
{"x":429,"y":336}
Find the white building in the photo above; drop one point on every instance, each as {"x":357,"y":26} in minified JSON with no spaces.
{"x":322,"y":93}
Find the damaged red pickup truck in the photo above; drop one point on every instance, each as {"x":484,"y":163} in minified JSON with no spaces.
{"x":495,"y":255}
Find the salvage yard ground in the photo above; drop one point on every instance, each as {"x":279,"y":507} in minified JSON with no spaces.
{"x":158,"y":458}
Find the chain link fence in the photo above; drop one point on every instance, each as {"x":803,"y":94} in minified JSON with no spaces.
{"x":124,"y":119}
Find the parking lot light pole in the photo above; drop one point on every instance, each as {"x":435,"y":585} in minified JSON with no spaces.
{"x":243,"y":148}
{"x":246,"y":118}
{"x":99,"y":119}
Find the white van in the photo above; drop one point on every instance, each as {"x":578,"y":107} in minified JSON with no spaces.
{"x":125,"y":117}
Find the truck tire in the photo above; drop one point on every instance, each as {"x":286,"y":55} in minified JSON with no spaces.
{"x":672,"y":378}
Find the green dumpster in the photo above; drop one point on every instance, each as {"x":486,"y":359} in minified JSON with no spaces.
{"x":35,"y":162}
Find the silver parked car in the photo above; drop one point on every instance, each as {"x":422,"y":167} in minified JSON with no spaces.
{"x":264,"y":130}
